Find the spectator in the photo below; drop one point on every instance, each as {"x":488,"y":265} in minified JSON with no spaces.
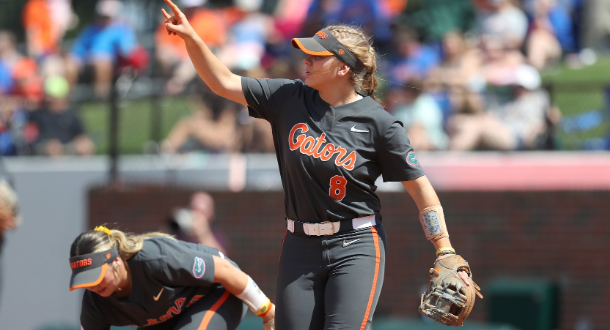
{"x":596,"y":24}
{"x":459,"y":77}
{"x":45,"y":23}
{"x":461,"y":64}
{"x":100,"y":46}
{"x":256,"y":135}
{"x":9,"y":56}
{"x":20,"y":73}
{"x":503,"y":21}
{"x":498,"y":62}
{"x":18,"y":79}
{"x":422,"y":118}
{"x":13,"y":120}
{"x":369,"y":15}
{"x":6,"y":80}
{"x":433,"y":19}
{"x":59,"y":130}
{"x":289,"y":17}
{"x":27,"y":86}
{"x":513,"y":124}
{"x":550,"y":33}
{"x":211,"y":25}
{"x":203,"y":131}
{"x":247,"y":38}
{"x":412,"y":60}
{"x":194,"y":224}
{"x":394,"y":7}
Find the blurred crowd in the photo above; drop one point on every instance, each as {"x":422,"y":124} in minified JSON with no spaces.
{"x":460,"y":74}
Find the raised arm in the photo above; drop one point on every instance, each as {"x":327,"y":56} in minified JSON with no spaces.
{"x":213,"y":72}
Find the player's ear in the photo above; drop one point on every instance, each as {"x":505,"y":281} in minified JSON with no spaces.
{"x":343,"y":70}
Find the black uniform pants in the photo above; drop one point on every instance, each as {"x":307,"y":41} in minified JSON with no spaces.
{"x":330,"y":282}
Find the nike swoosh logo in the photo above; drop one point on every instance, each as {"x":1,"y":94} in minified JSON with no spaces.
{"x":350,"y":242}
{"x":354,"y":129}
{"x":159,"y":295}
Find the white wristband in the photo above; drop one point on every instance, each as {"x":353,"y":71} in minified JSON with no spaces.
{"x":255,"y":298}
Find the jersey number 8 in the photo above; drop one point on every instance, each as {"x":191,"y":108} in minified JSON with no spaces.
{"x":337,"y":187}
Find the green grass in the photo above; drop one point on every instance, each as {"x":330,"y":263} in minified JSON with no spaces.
{"x":135,"y":127}
{"x":598,"y":72}
{"x":576,"y":91}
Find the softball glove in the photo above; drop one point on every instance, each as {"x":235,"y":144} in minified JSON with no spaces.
{"x":448,"y":299}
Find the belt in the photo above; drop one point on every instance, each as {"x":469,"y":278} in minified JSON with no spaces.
{"x":329,"y":228}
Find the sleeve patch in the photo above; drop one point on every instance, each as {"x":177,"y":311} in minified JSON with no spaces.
{"x":412,"y":159}
{"x":198,"y":267}
{"x":432,"y":223}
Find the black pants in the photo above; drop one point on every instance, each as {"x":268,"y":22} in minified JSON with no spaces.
{"x":330,"y":282}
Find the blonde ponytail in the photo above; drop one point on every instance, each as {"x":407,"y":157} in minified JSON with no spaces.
{"x":354,"y":39}
{"x":102,"y":239}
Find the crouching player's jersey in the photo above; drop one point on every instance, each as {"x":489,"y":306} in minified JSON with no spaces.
{"x":168,"y":276}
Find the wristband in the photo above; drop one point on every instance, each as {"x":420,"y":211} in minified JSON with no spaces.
{"x":264,"y":309}
{"x":445,"y":250}
{"x":255,"y":298}
{"x":432,"y":220}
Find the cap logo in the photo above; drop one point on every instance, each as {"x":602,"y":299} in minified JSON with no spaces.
{"x":341,"y":51}
{"x":322,"y":34}
{"x":412,"y":159}
{"x":80,"y":263}
{"x":198,"y":267}
{"x":108,"y":255}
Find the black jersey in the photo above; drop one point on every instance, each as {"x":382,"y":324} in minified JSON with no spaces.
{"x":167,"y":275}
{"x":330,"y":157}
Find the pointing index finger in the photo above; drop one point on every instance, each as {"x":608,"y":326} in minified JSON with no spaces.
{"x":174,"y":8}
{"x":167,"y":16}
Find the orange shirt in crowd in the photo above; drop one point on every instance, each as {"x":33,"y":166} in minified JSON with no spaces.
{"x":44,"y":34}
{"x":28,"y":84}
{"x":211,"y":25}
{"x":395,"y":7}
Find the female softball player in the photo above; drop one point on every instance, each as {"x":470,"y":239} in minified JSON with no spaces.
{"x":332,"y":140}
{"x":158,"y":282}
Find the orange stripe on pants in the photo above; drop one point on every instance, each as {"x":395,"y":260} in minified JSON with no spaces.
{"x":372,"y":295}
{"x":212,"y":311}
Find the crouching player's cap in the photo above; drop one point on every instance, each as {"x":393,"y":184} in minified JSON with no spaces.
{"x":88,"y":270}
{"x":325,"y":44}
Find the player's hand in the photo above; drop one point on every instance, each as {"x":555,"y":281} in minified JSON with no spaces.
{"x":177,"y":24}
{"x":269,"y":319}
{"x":269,"y":325}
{"x":462,"y":274}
